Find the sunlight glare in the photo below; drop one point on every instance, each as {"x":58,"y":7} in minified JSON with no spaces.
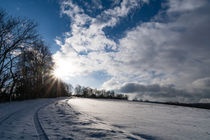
{"x":63,"y":69}
{"x":58,"y":73}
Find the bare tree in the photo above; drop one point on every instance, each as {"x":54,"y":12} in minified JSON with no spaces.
{"x":25,"y":62}
{"x":15,"y":34}
{"x":35,"y":65}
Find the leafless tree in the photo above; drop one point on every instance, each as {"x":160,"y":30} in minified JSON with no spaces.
{"x":15,"y":34}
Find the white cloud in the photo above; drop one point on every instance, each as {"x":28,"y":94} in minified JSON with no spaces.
{"x":87,"y":37}
{"x":111,"y":84}
{"x":172,"y":52}
{"x":122,"y":10}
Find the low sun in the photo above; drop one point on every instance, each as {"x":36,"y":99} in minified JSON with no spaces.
{"x":58,"y":73}
{"x":63,"y":69}
{"x":60,"y":69}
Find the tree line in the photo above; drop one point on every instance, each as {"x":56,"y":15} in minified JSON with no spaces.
{"x":88,"y":92}
{"x":25,"y":62}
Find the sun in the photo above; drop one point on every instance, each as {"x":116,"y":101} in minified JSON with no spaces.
{"x":60,"y":69}
{"x":58,"y":73}
{"x":63,"y":69}
{"x":61,"y":72}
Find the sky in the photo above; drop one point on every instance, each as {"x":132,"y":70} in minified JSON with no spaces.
{"x":150,"y":49}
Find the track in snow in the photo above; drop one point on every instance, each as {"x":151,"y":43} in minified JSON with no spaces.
{"x":6,"y":117}
{"x":40,"y":131}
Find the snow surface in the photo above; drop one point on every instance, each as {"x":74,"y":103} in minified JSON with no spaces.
{"x":149,"y":121}
{"x":16,"y":119}
{"x":78,"y":118}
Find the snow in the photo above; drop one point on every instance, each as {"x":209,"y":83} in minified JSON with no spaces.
{"x":16,"y":119}
{"x":79,"y":118}
{"x":149,"y":121}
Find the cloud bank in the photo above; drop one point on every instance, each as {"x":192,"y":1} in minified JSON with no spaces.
{"x":171,"y":49}
{"x":155,"y":92}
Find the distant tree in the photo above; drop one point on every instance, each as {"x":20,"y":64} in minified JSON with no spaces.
{"x":70,"y":89}
{"x":78,"y":90}
{"x":85,"y":92}
{"x":112,"y":94}
{"x":88,"y":92}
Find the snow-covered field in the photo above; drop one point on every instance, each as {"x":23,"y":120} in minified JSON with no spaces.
{"x":77,"y":118}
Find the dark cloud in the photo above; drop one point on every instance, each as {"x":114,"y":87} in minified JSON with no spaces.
{"x":166,"y":92}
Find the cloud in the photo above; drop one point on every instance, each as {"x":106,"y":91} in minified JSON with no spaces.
{"x":84,"y":49}
{"x":177,"y":50}
{"x":111,"y":84}
{"x":153,"y":90}
{"x":97,"y":4}
{"x":184,"y":5}
{"x":203,"y":83}
{"x":170,"y":49}
{"x":157,"y":92}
